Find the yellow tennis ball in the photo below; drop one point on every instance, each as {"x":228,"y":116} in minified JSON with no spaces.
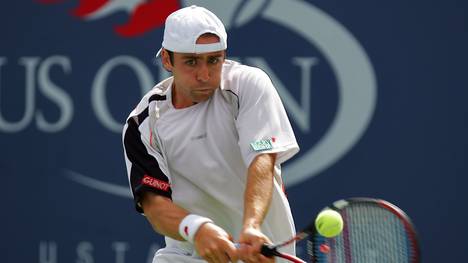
{"x":329,"y":223}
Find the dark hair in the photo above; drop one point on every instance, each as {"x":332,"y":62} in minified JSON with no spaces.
{"x":171,"y":56}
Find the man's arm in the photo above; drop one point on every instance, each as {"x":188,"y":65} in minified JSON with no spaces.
{"x":257,"y":199}
{"x":211,"y":242}
{"x":163,"y":215}
{"x":259,"y":188}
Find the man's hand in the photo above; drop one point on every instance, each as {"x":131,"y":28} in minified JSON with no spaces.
{"x":214,"y":245}
{"x":251,"y":241}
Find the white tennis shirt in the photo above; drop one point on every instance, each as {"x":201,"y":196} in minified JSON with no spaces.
{"x":199,"y":155}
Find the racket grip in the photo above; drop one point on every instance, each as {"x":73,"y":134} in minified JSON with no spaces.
{"x":266,"y":250}
{"x":269,"y":250}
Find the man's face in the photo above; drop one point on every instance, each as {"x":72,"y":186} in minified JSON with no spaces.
{"x":196,"y":76}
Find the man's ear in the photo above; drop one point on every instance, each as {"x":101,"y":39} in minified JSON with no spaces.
{"x":166,"y":60}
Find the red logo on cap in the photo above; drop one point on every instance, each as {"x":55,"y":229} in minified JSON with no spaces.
{"x":145,"y":15}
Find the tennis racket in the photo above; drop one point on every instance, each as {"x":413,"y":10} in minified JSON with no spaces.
{"x":375,"y":231}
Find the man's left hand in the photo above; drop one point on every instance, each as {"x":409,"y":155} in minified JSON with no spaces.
{"x":251,"y":240}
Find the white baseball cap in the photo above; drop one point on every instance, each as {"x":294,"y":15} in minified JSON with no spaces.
{"x":186,"y":25}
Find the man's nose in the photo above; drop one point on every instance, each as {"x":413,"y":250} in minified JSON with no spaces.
{"x":203,"y":73}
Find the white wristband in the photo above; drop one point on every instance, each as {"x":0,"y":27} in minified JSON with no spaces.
{"x":189,"y":226}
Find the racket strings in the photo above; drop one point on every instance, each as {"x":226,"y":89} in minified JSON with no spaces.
{"x":371,"y":234}
{"x":376,"y":235}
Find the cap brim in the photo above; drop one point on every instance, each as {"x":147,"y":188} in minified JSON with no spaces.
{"x":159,"y":53}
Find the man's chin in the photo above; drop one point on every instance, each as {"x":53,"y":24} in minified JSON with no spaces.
{"x":201,"y":96}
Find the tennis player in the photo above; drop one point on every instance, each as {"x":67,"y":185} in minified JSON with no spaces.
{"x":203,"y":150}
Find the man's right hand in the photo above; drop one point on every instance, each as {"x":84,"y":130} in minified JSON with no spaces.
{"x":214,"y":245}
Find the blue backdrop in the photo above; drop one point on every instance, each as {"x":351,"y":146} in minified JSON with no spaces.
{"x":376,"y":92}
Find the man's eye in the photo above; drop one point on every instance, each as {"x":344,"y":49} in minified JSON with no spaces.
{"x":191,"y":62}
{"x":213,"y":60}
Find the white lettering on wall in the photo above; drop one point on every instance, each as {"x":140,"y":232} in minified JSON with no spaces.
{"x":30,"y":65}
{"x":98,"y":93}
{"x":84,"y":252}
{"x":47,"y":252}
{"x":120,"y":249}
{"x":55,"y":94}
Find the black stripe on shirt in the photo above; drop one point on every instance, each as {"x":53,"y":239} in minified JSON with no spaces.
{"x":157,"y":97}
{"x":145,"y":174}
{"x":237,"y":97}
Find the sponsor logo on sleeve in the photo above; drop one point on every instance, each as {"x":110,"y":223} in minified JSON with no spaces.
{"x":155,"y":183}
{"x":261,"y":145}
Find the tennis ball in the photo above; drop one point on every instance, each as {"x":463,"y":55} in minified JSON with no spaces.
{"x":329,"y":223}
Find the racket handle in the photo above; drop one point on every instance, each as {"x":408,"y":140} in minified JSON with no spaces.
{"x":269,"y":250}
{"x":266,"y":250}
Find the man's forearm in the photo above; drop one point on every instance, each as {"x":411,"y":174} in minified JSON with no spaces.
{"x":259,"y":188}
{"x":163,"y":215}
{"x":210,"y":241}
